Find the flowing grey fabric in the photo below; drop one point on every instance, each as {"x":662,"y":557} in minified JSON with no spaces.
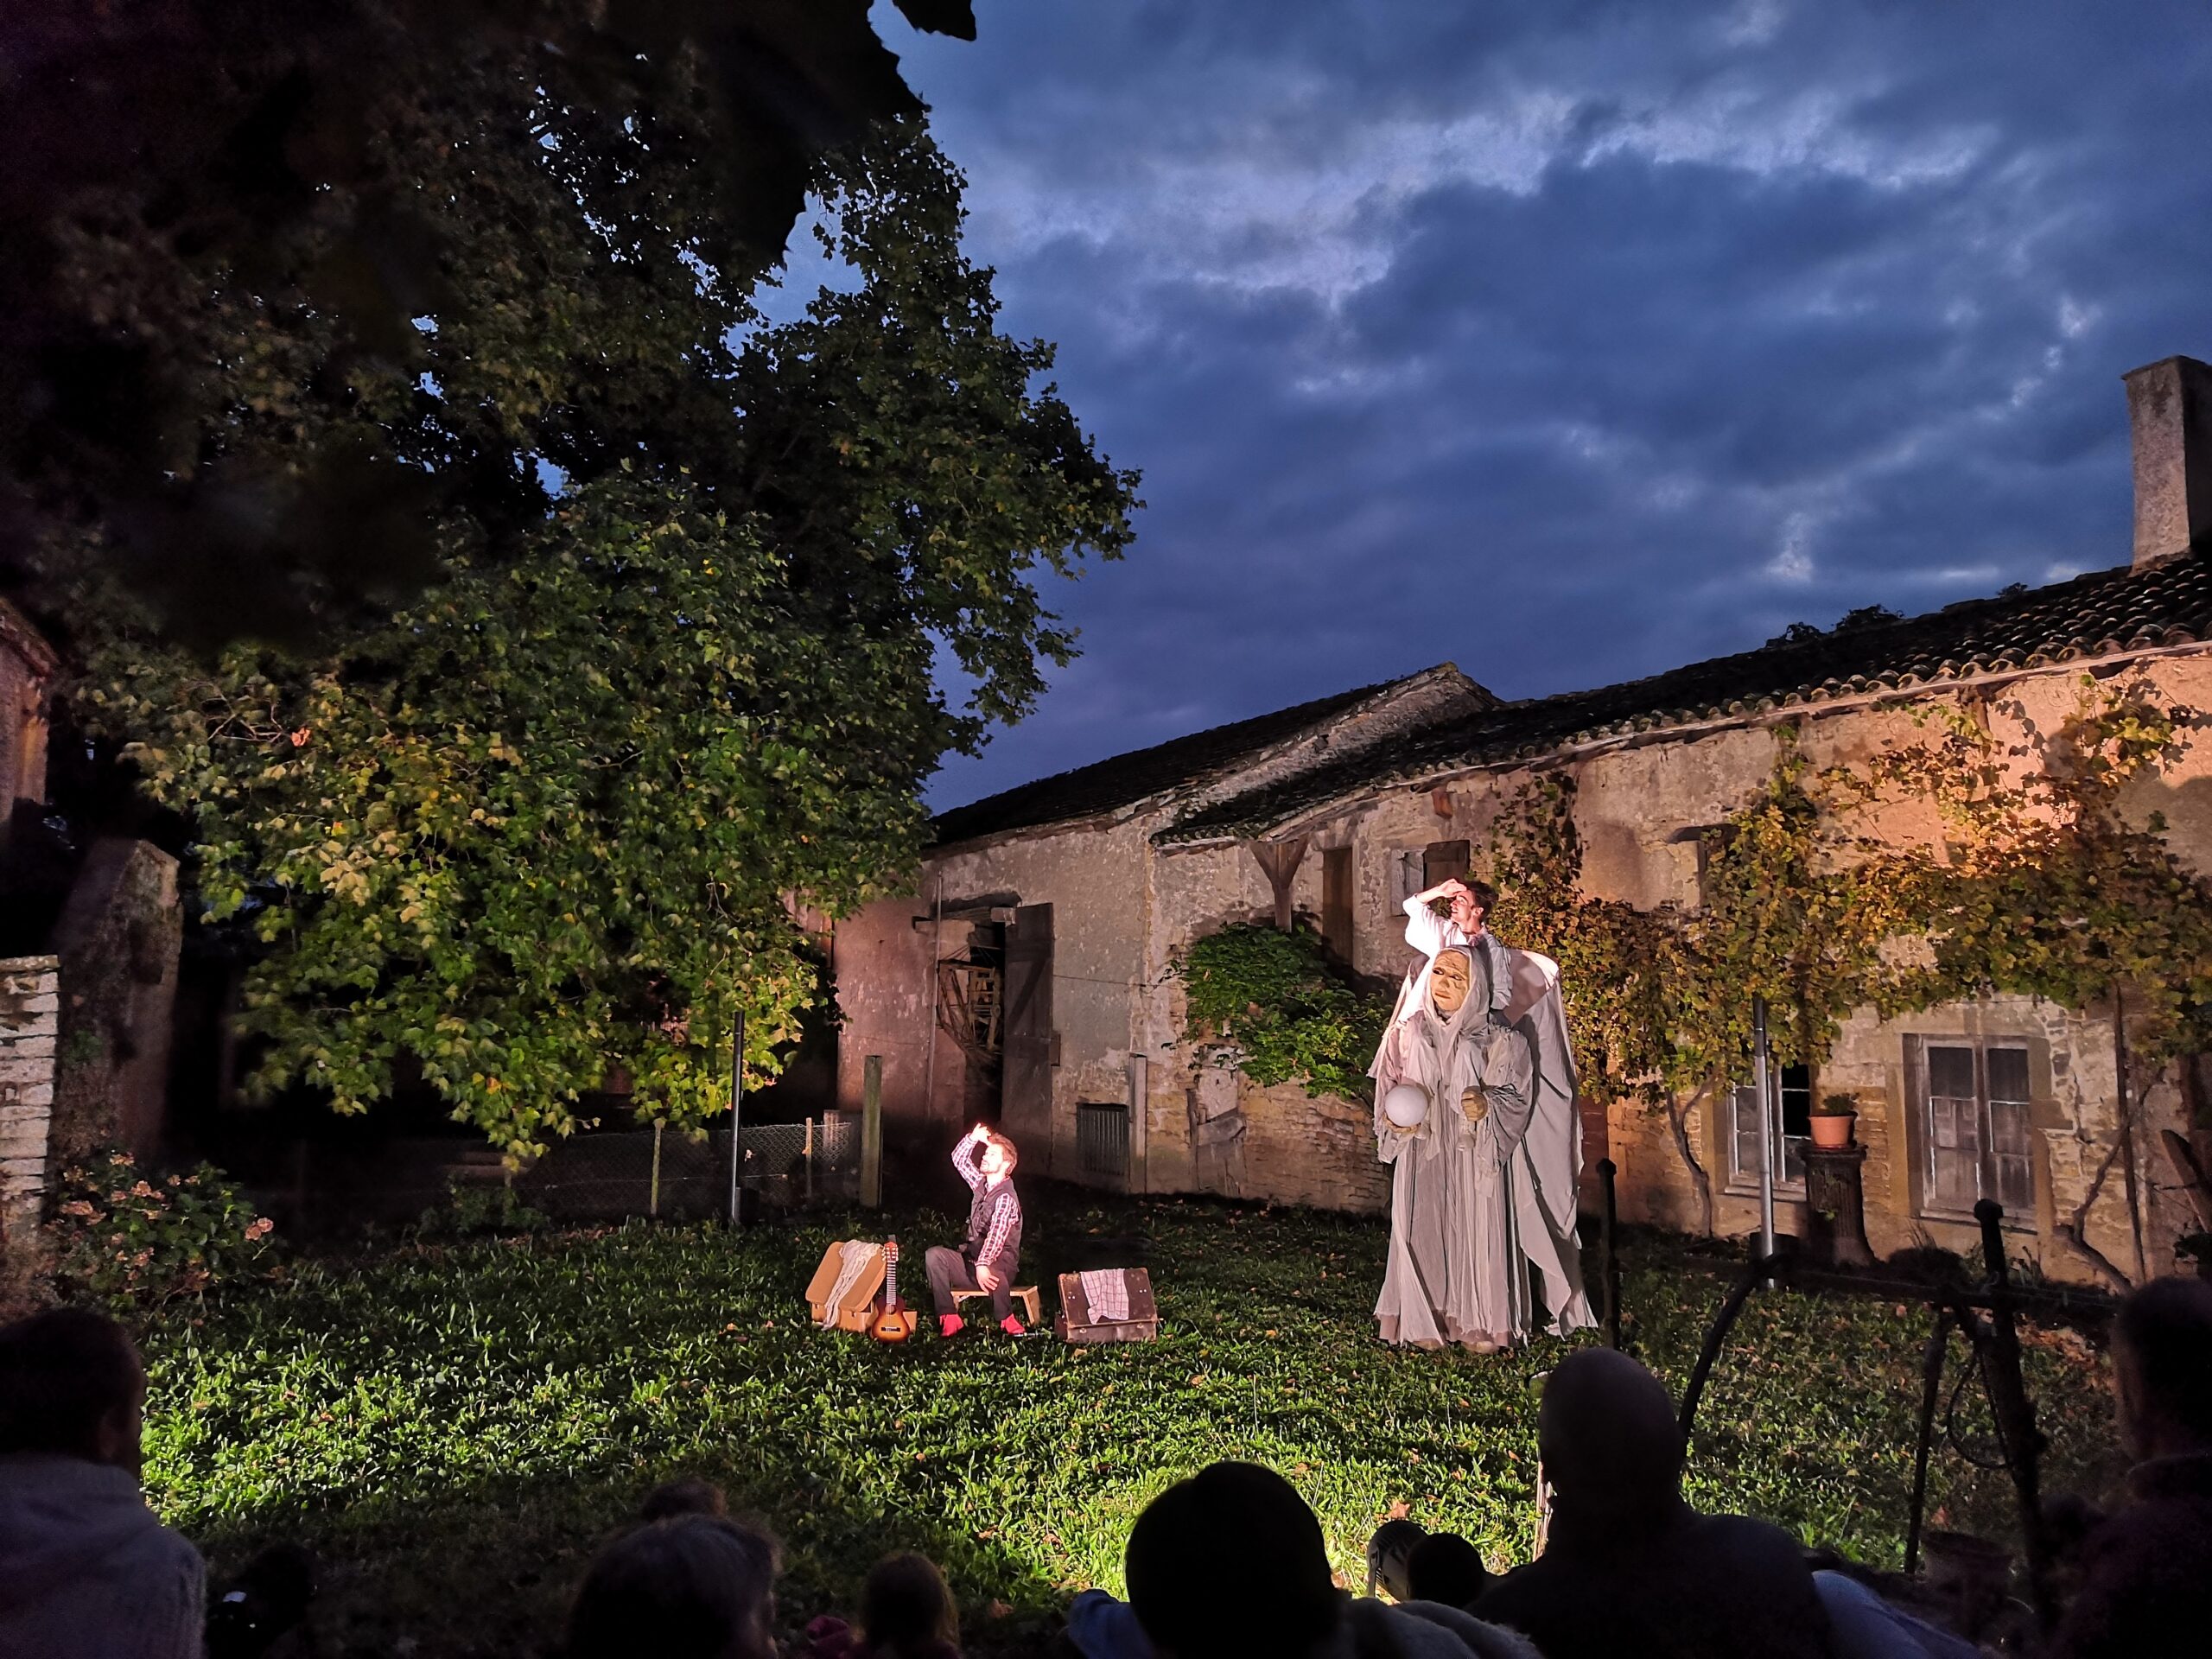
{"x":1474,"y":1205}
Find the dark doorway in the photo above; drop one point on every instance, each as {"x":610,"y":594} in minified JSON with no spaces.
{"x":1337,"y":902}
{"x":1027,"y":1106}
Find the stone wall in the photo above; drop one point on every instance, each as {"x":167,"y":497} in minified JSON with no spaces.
{"x":31,"y":1008}
{"x":1125,"y":907}
{"x":27,"y":664}
{"x":117,"y":940}
{"x":1634,"y":806}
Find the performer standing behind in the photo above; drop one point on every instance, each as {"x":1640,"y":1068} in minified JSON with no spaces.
{"x":986,"y":1258}
{"x":1538,"y":1136}
{"x":1428,"y":933}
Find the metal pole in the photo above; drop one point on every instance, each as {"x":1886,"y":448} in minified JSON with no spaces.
{"x":2015,"y":1414}
{"x":872,"y":1132}
{"x":653,"y":1192}
{"x":929,"y":1033}
{"x":1758,"y":1274}
{"x":736,"y":1112}
{"x":1762,"y":1074}
{"x":1931,"y":1386}
{"x":1609,"y":1253}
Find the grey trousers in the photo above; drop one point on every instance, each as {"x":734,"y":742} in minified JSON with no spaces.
{"x":949,"y":1271}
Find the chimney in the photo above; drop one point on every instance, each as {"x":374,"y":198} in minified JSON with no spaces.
{"x":2169,"y":415}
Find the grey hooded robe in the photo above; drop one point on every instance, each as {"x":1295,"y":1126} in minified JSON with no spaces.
{"x":1474,"y":1206}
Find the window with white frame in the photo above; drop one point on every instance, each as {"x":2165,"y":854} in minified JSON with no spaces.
{"x":1794,"y":1131}
{"x":1973,"y":1112}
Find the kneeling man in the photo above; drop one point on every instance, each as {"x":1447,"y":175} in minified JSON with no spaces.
{"x":986,"y":1258}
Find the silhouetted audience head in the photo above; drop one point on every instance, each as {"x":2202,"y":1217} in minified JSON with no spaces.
{"x":1231,"y":1561}
{"x":2162,"y":1368}
{"x":1387,"y":1552}
{"x":685,"y":1494}
{"x":906,"y":1611}
{"x":71,"y":1384}
{"x":690,"y":1587}
{"x":1446,"y":1568}
{"x":1608,"y":1439}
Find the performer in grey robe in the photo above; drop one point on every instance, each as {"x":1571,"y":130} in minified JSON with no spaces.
{"x":1485,"y":1187}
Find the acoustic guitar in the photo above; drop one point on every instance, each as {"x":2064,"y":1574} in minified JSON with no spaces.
{"x":896,"y":1321}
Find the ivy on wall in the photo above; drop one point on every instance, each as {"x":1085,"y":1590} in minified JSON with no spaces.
{"x":2050,"y":878}
{"x":1274,"y":1006}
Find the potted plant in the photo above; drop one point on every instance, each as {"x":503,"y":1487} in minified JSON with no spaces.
{"x":1832,"y":1116}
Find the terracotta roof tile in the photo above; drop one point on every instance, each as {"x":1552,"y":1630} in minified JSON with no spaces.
{"x":1124,"y":779}
{"x":2099,"y":615}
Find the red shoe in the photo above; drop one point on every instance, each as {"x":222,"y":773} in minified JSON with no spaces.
{"x":1012,"y":1326}
{"x":950,"y":1325}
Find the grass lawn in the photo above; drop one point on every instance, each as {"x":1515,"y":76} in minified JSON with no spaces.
{"x":454,"y":1428}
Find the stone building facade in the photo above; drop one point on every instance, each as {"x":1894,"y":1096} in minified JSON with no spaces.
{"x":1067,"y":901}
{"x":88,"y":981}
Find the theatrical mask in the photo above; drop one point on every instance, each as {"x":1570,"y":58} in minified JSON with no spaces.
{"x":1448,"y":985}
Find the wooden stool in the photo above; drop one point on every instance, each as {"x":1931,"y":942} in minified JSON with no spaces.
{"x":1032,"y":1303}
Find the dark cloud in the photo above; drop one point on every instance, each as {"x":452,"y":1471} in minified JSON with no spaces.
{"x":1570,"y":342}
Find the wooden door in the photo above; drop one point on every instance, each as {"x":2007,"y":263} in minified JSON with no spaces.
{"x":1025,"y":1097}
{"x":1337,"y":901}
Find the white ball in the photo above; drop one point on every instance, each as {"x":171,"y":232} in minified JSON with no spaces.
{"x":1406,"y":1105}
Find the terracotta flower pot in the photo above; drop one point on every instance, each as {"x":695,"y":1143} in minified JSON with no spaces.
{"x":1832,"y":1129}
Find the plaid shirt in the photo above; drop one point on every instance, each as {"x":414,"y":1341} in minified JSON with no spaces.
{"x":994,"y":1211}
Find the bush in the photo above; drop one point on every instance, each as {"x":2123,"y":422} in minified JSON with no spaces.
{"x":122,"y":1236}
{"x":474,"y":1207}
{"x":1275,"y":1005}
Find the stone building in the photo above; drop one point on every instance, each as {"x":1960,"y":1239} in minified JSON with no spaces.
{"x":89,"y":942}
{"x":1033,"y":969}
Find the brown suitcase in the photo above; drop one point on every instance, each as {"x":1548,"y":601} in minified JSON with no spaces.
{"x":858,"y":1304}
{"x":1077,"y":1323}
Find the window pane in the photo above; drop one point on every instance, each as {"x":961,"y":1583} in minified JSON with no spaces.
{"x":1798,"y":1100}
{"x":1950,"y":1072}
{"x":1744,"y":1138}
{"x":1951,"y":1119}
{"x":2008,"y":1074}
{"x":2009,"y":1143}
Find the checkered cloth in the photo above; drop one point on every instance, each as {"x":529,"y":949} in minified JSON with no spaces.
{"x":1106,"y":1293}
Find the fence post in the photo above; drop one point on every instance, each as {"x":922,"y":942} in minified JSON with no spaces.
{"x":736,"y":1115}
{"x":653,"y":1192}
{"x":809,"y":1160}
{"x":872,"y":1132}
{"x":1609,"y":1256}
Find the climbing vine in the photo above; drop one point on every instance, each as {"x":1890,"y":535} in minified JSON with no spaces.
{"x":1274,"y":1006}
{"x":2049,"y":878}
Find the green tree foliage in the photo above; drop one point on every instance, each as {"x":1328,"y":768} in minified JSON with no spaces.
{"x":550,"y":819}
{"x":2053,"y":878}
{"x":1274,"y":1005}
{"x":291,"y":289}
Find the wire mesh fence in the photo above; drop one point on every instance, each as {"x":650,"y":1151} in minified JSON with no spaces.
{"x":616,"y":1174}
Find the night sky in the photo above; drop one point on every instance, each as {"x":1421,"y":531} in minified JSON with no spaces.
{"x":1569,"y":342}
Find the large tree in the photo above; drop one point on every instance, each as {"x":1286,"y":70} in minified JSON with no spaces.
{"x":547,"y":818}
{"x":290,"y":287}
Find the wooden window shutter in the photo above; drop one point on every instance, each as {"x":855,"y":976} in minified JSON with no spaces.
{"x":1337,"y":901}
